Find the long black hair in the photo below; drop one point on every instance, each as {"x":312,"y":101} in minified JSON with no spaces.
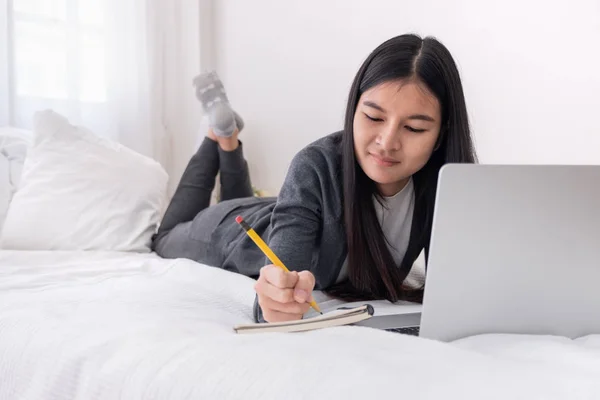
{"x":372,"y":271}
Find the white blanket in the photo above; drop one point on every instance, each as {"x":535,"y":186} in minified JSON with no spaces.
{"x":134,"y":326}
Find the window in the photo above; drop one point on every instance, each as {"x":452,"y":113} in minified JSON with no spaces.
{"x":105,"y":65}
{"x":55,"y":52}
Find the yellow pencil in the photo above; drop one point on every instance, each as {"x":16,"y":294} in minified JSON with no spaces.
{"x":268,"y":252}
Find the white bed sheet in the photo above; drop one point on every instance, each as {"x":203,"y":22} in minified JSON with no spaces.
{"x":77,"y":325}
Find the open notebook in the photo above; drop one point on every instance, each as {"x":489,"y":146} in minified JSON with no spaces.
{"x":327,"y":320}
{"x":378,"y":314}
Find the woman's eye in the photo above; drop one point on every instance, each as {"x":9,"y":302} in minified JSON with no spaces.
{"x":410,"y":128}
{"x":373,"y":119}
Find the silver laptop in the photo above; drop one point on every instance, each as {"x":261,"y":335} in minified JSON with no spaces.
{"x":514,"y":249}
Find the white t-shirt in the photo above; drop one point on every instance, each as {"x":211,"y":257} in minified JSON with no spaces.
{"x":395,"y":216}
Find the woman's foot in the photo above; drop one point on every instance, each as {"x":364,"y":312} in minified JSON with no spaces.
{"x":229,"y":143}
{"x":223,"y":121}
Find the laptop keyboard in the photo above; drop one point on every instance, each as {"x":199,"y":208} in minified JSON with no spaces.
{"x":412,"y":330}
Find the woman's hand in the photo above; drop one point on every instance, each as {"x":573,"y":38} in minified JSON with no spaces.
{"x":284,"y":296}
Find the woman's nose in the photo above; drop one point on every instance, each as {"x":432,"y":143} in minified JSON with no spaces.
{"x":389,"y":139}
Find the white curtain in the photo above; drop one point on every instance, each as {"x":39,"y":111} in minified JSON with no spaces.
{"x":110,"y":65}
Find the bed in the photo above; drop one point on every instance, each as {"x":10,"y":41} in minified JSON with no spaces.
{"x":86,"y":316}
{"x":108,"y":325}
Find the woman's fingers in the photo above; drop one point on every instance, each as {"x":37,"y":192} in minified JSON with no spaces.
{"x":277,"y":292}
{"x":278,"y":277}
{"x":304,"y":287}
{"x":293,"y":307}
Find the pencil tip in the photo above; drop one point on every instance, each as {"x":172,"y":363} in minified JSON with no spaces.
{"x":320,"y":312}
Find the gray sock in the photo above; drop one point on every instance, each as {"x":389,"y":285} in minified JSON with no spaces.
{"x":239,"y":122}
{"x":211,"y":93}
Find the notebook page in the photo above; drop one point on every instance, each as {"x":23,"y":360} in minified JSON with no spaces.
{"x":381,"y":307}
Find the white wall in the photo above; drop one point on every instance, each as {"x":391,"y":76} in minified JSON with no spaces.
{"x":531,"y":71}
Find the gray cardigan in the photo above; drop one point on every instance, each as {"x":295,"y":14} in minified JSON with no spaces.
{"x":304,"y":225}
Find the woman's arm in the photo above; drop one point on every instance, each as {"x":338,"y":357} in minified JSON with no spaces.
{"x":296,"y":221}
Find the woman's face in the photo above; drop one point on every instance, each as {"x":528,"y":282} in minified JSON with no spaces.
{"x":396,"y":126}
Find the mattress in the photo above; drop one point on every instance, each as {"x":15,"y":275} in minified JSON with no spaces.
{"x":109,"y":325}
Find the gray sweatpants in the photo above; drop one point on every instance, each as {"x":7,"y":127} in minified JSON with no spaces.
{"x":189,"y":219}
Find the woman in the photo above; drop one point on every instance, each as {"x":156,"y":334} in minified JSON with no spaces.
{"x":355,"y":209}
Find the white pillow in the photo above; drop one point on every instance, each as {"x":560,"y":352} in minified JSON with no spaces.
{"x":6,"y":189}
{"x":13,"y":148}
{"x":79,"y":191}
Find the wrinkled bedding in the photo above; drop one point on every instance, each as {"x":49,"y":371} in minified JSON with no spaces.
{"x":108,"y":325}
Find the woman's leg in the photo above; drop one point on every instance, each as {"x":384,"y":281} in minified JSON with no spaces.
{"x":195,"y":187}
{"x":221,"y":145}
{"x":189,"y":225}
{"x":234,"y":174}
{"x":198,"y":180}
{"x":226,"y":126}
